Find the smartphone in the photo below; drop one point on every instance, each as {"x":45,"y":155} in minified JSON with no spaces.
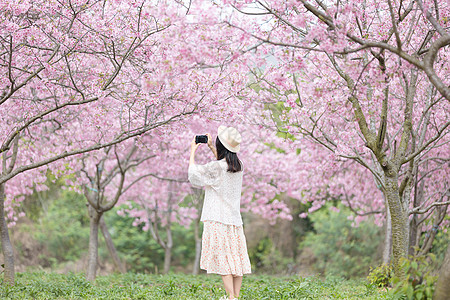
{"x":201,"y":139}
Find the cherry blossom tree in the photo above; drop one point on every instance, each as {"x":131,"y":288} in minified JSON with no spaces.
{"x":367,"y":81}
{"x":156,"y":201}
{"x":55,"y":62}
{"x":79,"y":76}
{"x":104,"y":182}
{"x":347,"y":99}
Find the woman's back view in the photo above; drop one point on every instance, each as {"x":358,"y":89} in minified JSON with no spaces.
{"x":224,"y":249}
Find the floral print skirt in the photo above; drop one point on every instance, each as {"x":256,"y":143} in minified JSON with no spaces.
{"x":224,"y":249}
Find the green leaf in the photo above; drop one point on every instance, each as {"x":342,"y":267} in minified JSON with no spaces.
{"x":410,"y":292}
{"x":428,"y":292}
{"x":419,"y":295}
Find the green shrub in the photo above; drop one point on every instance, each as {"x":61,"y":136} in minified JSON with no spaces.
{"x":64,"y":228}
{"x":141,"y":252}
{"x":339,"y":247}
{"x":61,"y":230}
{"x":419,"y":282}
{"x":265,"y":258}
{"x":380,"y":276}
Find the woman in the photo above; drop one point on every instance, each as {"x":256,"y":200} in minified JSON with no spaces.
{"x":224,"y":249}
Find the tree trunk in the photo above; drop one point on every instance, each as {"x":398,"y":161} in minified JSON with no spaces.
{"x":399,"y":219}
{"x":388,"y":238}
{"x":198,"y":247}
{"x":413,"y":232}
{"x":93,"y":244}
{"x":112,"y":250}
{"x":167,"y":259}
{"x":7,"y":247}
{"x":168,"y":250}
{"x":442,"y":291}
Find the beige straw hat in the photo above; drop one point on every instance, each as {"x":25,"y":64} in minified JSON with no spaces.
{"x":230,"y":138}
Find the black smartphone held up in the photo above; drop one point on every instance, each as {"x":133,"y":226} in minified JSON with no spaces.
{"x":201,"y":139}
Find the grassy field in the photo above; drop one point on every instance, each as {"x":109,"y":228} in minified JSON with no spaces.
{"x":42,"y":285}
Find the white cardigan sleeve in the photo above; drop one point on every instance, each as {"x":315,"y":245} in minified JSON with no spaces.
{"x":205,"y":175}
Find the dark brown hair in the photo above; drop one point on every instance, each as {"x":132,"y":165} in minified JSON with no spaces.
{"x":234,"y":164}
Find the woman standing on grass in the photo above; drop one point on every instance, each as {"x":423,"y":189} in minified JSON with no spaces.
{"x":224,"y":249}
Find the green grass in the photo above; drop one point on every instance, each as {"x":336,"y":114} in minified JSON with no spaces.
{"x":41,"y":285}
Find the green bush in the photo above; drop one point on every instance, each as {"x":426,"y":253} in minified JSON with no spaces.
{"x":141,"y":252}
{"x":339,"y":247}
{"x":61,"y":230}
{"x":265,"y":258}
{"x":380,"y":276}
{"x":440,"y":244}
{"x":420,"y":280}
{"x":64,"y":228}
{"x":137,"y":248}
